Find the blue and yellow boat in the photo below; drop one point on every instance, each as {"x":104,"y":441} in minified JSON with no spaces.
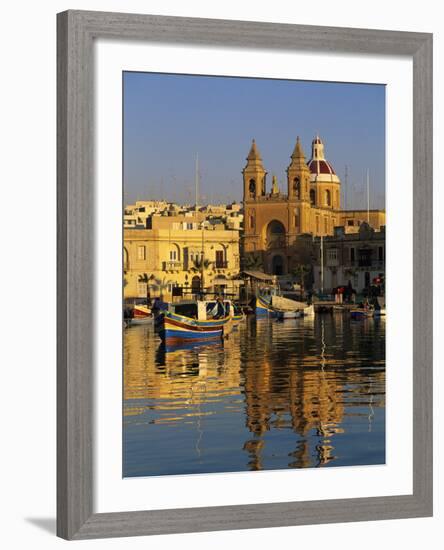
{"x":263,"y":307}
{"x":195,"y":320}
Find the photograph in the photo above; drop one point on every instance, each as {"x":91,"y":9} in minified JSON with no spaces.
{"x":253,"y":274}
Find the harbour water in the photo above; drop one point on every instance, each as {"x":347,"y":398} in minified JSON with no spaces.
{"x":300,"y":393}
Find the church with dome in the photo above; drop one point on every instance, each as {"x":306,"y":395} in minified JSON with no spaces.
{"x":279,"y":225}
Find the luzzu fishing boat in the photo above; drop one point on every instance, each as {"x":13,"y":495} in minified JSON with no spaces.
{"x":196,"y":320}
{"x":263,"y":307}
{"x":141,"y":315}
{"x":237,"y":314}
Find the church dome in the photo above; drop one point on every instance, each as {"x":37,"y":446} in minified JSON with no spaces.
{"x":320,"y":169}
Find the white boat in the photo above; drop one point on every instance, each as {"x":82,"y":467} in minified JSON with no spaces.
{"x":308,"y":311}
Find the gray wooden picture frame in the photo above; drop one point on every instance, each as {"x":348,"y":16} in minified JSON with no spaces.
{"x":76,"y":32}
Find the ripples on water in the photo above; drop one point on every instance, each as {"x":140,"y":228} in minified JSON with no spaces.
{"x":293,"y":394}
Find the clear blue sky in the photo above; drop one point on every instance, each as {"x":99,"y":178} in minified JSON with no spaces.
{"x":170,"y":118}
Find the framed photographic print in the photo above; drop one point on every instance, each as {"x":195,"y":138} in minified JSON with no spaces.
{"x":244,"y":274}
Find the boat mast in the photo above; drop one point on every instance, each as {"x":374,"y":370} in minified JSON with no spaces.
{"x":196,"y":181}
{"x":368,"y":197}
{"x":202,"y":260}
{"x":322,"y":264}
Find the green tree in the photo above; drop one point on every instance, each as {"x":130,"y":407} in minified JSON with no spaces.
{"x":201,"y":265}
{"x":301,"y":272}
{"x":253,"y":261}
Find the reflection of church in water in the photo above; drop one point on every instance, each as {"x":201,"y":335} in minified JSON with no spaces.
{"x":278,"y":226}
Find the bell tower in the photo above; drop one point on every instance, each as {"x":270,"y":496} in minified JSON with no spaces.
{"x":298,"y":175}
{"x":254,"y":175}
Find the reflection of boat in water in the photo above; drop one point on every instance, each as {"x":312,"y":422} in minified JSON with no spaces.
{"x":185,"y":345}
{"x":282,"y":315}
{"x":195,"y":320}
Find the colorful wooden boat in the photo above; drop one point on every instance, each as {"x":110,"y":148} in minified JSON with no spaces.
{"x":141,"y":315}
{"x":263,"y":307}
{"x":197,"y":320}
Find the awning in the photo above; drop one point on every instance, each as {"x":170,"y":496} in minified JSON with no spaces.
{"x":259,"y":275}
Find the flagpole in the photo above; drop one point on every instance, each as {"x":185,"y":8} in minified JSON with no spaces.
{"x":197,"y":181}
{"x":368,"y":197}
{"x":322,"y":264}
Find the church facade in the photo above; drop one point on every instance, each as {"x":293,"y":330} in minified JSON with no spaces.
{"x":279,"y":226}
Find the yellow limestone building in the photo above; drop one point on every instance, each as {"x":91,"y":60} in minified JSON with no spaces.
{"x":169,"y":254}
{"x":278,"y":225}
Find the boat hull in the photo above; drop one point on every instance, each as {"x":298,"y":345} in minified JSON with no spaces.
{"x":263,"y":308}
{"x":176,"y":329}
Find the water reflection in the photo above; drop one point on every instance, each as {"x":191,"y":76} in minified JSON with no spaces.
{"x":296,"y":394}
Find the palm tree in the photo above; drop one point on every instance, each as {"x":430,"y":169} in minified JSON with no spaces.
{"x":200,"y":265}
{"x":161,"y":285}
{"x":145,"y":279}
{"x":253,"y":261}
{"x":301,"y":271}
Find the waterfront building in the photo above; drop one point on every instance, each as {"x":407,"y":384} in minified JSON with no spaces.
{"x":276,"y":222}
{"x":356,"y":257}
{"x":185,"y":251}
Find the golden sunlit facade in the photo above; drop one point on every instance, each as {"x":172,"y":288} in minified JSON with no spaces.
{"x":275,"y":221}
{"x":179,"y":251}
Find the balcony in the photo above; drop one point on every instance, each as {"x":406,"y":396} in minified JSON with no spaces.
{"x":172,"y":265}
{"x":366,"y":263}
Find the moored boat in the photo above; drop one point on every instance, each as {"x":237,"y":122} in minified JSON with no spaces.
{"x":196,"y":320}
{"x":141,"y":315}
{"x":263,"y":307}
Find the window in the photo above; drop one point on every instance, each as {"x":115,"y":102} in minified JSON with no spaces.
{"x":141,"y":253}
{"x":317,"y":223}
{"x":296,"y":218}
{"x":252,"y":188}
{"x":173,"y":255}
{"x":365,"y":257}
{"x":220,"y":263}
{"x":297,"y":187}
{"x":352,"y":254}
{"x":251,"y":222}
{"x":332,"y":256}
{"x":142,"y":290}
{"x":327,"y":197}
{"x":350,"y":223}
{"x":380,"y":253}
{"x":312,"y":197}
{"x":325,"y":225}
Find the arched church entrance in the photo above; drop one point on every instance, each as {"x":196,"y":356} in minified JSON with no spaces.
{"x":275,"y":234}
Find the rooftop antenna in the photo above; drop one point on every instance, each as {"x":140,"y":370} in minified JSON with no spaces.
{"x":197,"y":181}
{"x":368,"y":196}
